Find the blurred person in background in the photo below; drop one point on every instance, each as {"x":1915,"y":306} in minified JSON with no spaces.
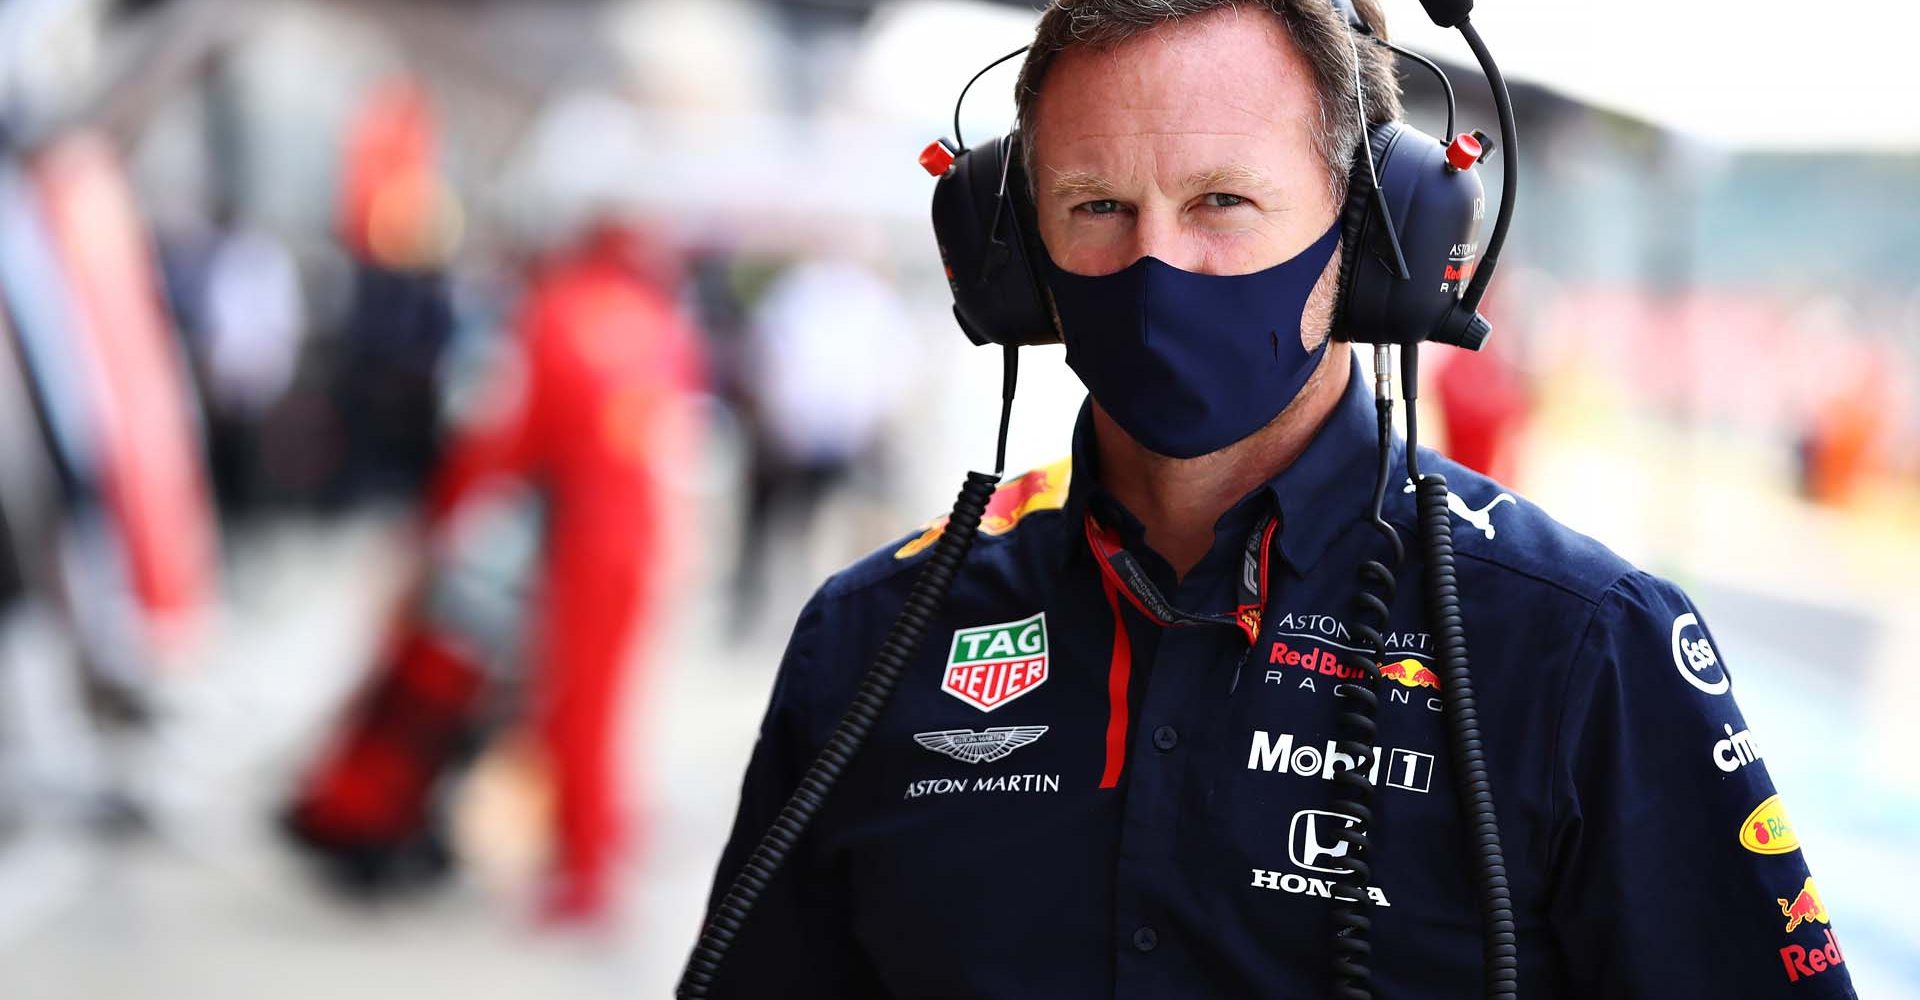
{"x":55,"y":704}
{"x":588,"y":409}
{"x":1844,"y":437}
{"x":1153,"y":629}
{"x":826,"y":365}
{"x":400,"y":223}
{"x":105,"y":486}
{"x":244,"y":315}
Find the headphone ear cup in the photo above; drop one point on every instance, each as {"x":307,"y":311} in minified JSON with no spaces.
{"x":1357,"y":223}
{"x":984,"y":221}
{"x":1436,"y":212}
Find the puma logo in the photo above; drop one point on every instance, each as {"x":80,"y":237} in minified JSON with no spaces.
{"x":1482,"y":518}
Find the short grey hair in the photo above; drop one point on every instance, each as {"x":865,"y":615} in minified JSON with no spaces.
{"x":1316,"y":27}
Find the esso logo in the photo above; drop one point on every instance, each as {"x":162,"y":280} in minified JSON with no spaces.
{"x":1697,"y":660}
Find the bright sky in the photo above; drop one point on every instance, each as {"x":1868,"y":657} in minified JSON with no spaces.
{"x":1751,"y":73}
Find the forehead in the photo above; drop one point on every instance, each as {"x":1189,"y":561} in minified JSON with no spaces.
{"x":1223,"y":84}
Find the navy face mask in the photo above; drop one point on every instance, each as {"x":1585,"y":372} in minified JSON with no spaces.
{"x":1190,"y":363}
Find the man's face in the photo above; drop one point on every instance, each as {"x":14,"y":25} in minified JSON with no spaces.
{"x":1192,"y":143}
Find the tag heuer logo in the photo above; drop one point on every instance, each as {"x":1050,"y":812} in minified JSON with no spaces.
{"x":983,"y":747}
{"x":991,"y":665}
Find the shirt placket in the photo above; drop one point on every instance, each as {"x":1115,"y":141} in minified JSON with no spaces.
{"x":1148,"y":963}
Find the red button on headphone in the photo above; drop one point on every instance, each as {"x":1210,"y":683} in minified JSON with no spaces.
{"x":1464,"y":152}
{"x":936,"y":158}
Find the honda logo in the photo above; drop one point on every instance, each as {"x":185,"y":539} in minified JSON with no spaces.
{"x":1314,"y":840}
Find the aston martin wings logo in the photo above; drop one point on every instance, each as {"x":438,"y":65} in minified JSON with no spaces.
{"x":983,"y":747}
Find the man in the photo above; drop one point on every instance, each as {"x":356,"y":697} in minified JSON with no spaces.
{"x":1067,"y":798}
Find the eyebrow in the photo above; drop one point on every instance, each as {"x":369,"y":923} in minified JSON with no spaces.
{"x":1079,"y":184}
{"x":1233,"y":175}
{"x":1083,"y":184}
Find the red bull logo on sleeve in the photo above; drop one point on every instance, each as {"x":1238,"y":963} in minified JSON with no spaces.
{"x":1800,"y":961}
{"x":1766,"y":829}
{"x":1803,"y":962}
{"x":1805,"y":907}
{"x":1044,"y":488}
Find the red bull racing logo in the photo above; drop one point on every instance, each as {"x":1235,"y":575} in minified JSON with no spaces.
{"x":1409,"y":672}
{"x":990,"y":665}
{"x":1044,"y":488}
{"x":1311,"y":662}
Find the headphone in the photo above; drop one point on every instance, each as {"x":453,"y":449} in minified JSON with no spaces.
{"x":1409,"y":232}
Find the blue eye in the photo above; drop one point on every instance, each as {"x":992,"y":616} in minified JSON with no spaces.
{"x":1218,"y":200}
{"x":1105,"y":206}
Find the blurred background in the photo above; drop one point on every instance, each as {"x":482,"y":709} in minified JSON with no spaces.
{"x":420,"y":423}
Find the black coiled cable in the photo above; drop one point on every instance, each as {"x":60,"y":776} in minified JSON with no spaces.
{"x":929,"y":592}
{"x":1352,"y":944}
{"x":1499,"y":942}
{"x":924,"y":598}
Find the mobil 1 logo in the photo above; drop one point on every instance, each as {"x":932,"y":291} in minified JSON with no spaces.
{"x":1407,"y":769}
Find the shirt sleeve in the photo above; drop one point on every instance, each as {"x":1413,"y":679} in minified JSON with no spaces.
{"x":1676,"y":869}
{"x":797,"y":941}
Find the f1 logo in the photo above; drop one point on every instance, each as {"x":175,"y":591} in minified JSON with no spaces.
{"x":1314,"y":839}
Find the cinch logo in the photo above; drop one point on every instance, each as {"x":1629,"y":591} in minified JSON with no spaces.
{"x":1766,"y":829}
{"x":1811,"y":961}
{"x":990,"y":665}
{"x":1406,"y":769}
{"x":1736,"y":751}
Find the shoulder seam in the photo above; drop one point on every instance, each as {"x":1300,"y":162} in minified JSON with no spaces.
{"x":1560,"y":717}
{"x":1592,"y":599}
{"x":839,"y":586}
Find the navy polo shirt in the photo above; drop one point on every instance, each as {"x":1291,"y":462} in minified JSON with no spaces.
{"x":1067,"y":799}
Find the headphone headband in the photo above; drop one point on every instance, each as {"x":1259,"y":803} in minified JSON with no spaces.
{"x":1346,"y":9}
{"x":1409,"y":235}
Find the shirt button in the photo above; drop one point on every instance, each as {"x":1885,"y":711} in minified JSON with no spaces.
{"x":1166,"y":738}
{"x":1145,"y":939}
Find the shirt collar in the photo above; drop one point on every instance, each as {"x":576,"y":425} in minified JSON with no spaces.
{"x":1326,"y":489}
{"x":1330,"y":486}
